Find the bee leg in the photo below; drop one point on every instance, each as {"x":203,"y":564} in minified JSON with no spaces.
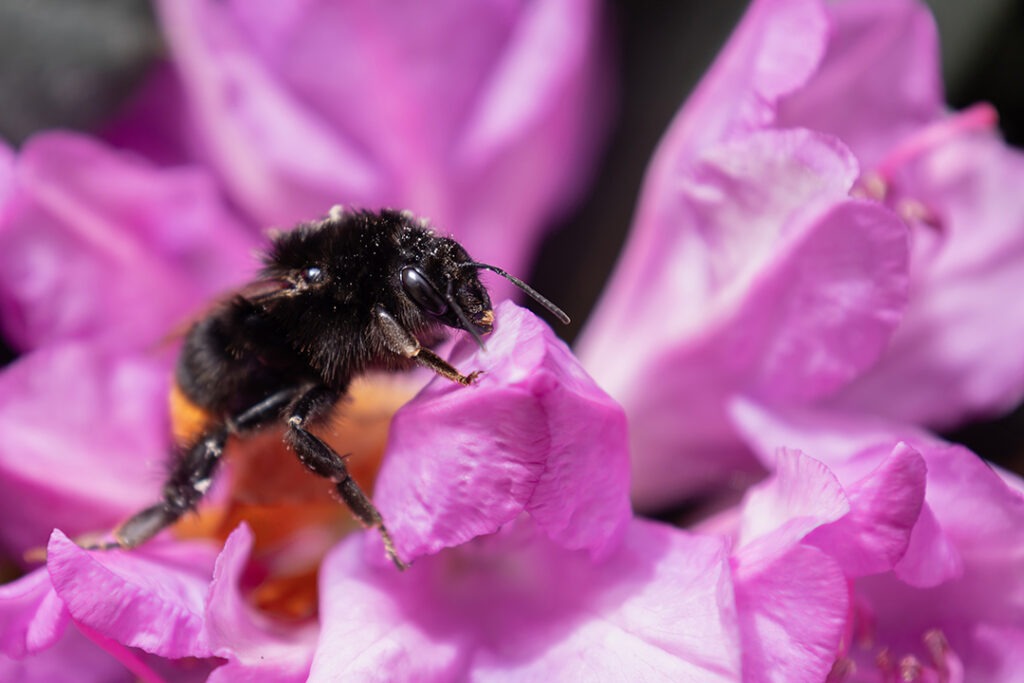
{"x":323,"y":461}
{"x":189,"y":480}
{"x":192,"y":474}
{"x":400,"y":341}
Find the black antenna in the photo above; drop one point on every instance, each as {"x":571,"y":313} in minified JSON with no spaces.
{"x":534,"y":294}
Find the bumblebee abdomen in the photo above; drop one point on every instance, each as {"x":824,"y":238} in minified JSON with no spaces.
{"x":189,"y":421}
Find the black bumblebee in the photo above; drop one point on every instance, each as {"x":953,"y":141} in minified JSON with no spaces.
{"x":353,"y":292}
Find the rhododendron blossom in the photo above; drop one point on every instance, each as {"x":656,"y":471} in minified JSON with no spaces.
{"x":929,"y":536}
{"x":811,"y":282}
{"x":915,"y":332}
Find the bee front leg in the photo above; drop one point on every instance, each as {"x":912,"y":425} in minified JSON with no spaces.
{"x":400,"y":341}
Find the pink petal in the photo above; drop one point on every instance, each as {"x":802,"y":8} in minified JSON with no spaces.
{"x":516,"y":607}
{"x":256,"y":647}
{"x":760,"y":64}
{"x":860,"y":451}
{"x":879,"y":79}
{"x":32,"y":617}
{"x":534,"y":435}
{"x":792,"y":614}
{"x":482,"y":116}
{"x":800,"y":497}
{"x":949,"y":360}
{"x":83,"y":441}
{"x":772,"y":283}
{"x":71,"y":658}
{"x":151,"y":599}
{"x":885,"y":506}
{"x":931,"y":557}
{"x":98,"y":245}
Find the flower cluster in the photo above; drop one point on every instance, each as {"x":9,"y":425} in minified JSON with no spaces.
{"x":812,"y":282}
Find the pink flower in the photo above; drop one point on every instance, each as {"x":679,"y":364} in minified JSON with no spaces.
{"x":928,"y":535}
{"x":483,"y":116}
{"x":892,"y":311}
{"x":526,"y":471}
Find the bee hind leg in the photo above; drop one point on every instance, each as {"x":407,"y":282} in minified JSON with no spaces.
{"x":189,"y":480}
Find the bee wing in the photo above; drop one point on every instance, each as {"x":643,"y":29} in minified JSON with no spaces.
{"x":256,"y":291}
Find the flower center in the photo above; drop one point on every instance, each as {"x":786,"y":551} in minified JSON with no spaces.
{"x":937,"y":661}
{"x":881,"y":184}
{"x":294,"y":516}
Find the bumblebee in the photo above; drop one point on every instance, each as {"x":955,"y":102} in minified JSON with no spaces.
{"x":355,"y":291}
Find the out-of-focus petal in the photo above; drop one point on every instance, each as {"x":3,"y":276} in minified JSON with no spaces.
{"x":73,"y":657}
{"x":32,"y":617}
{"x":773,"y":283}
{"x":879,"y":79}
{"x":100,"y":245}
{"x":483,"y":116}
{"x":152,"y":599}
{"x":949,"y":360}
{"x":6,"y":176}
{"x":515,"y":606}
{"x":83,"y":441}
{"x":760,"y":63}
{"x":534,"y":434}
{"x":256,"y":648}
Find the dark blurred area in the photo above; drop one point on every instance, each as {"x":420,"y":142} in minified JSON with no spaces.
{"x":71,"y":64}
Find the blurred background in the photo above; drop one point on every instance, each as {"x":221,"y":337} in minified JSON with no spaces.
{"x":72,"y":64}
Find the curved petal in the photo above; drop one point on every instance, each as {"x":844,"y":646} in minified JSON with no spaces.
{"x":534,"y":434}
{"x":801,"y":496}
{"x":151,"y":599}
{"x":760,"y":63}
{"x":256,"y":648}
{"x":950,"y":359}
{"x":883,"y":58}
{"x":774,"y":283}
{"x":514,"y":606}
{"x":792,"y":614}
{"x":73,"y":657}
{"x":32,"y":617}
{"x":100,"y":245}
{"x":885,"y":507}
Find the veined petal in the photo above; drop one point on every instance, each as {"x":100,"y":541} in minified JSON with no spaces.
{"x":515,"y":606}
{"x":534,"y":434}
{"x":151,"y":599}
{"x":773,"y":283}
{"x":256,"y":648}
{"x":792,"y":614}
{"x":32,"y":617}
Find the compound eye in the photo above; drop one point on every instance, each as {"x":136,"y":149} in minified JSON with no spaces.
{"x":312,"y":275}
{"x":422,"y":292}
